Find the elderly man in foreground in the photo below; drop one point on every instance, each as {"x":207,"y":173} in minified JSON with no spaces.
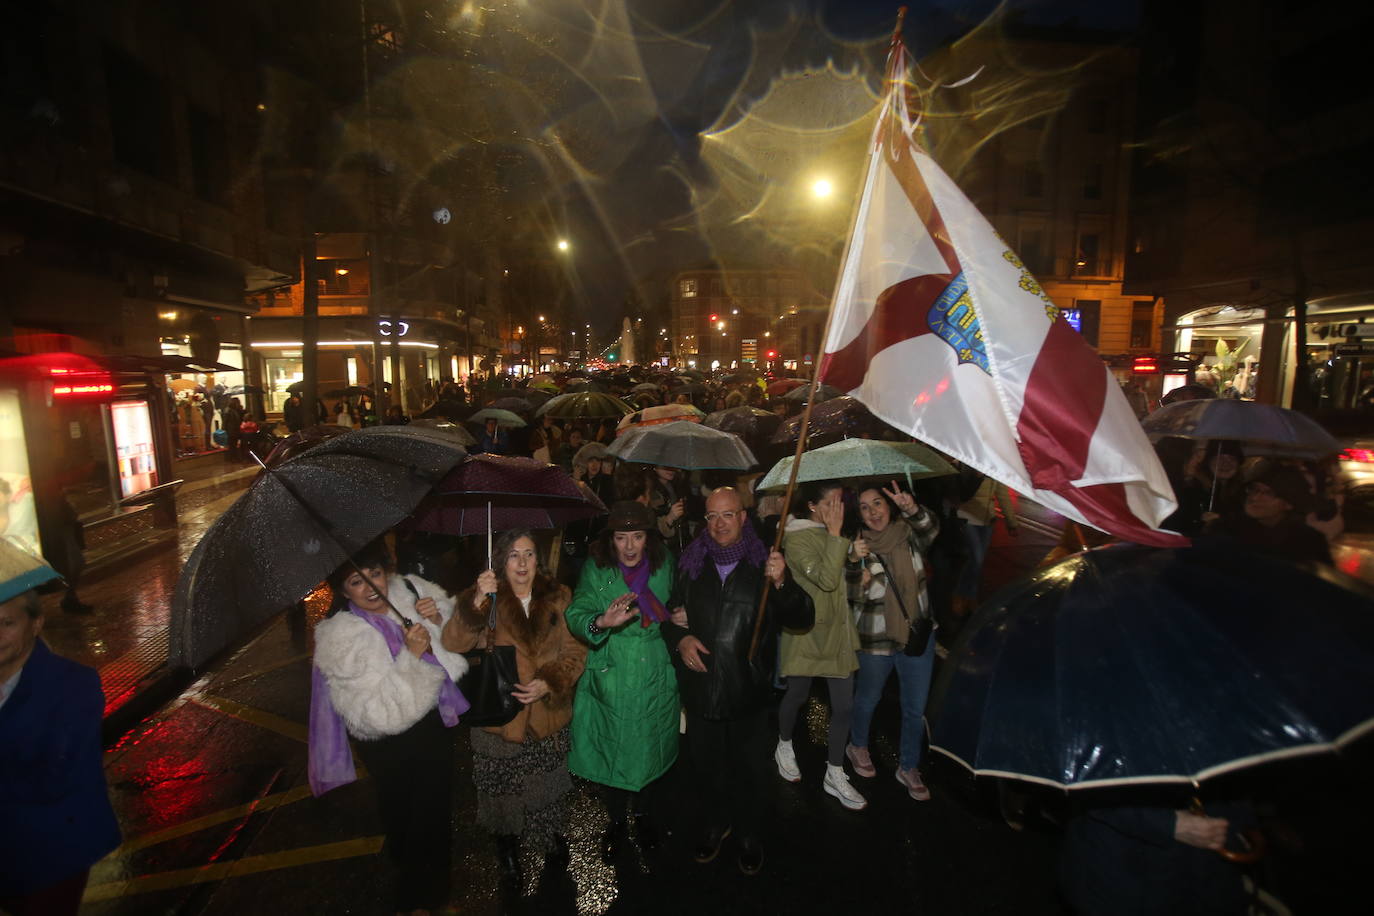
{"x":726,"y":694}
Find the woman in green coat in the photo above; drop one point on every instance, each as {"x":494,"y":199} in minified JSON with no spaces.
{"x":625,"y":712}
{"x":816,"y":555}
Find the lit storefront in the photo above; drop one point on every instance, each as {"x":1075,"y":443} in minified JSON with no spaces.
{"x":1227,"y":344}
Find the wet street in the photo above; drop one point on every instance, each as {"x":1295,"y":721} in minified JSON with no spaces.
{"x":212,"y":795}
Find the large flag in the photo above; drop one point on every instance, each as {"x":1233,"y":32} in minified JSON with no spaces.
{"x":941,"y":330}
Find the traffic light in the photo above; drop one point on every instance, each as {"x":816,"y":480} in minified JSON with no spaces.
{"x":714,"y":318}
{"x":772,"y":354}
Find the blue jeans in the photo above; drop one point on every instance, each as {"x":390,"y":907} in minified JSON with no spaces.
{"x":913,"y":676}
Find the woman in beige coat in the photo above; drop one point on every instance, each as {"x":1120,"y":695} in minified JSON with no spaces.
{"x":520,"y":769}
{"x":816,"y":555}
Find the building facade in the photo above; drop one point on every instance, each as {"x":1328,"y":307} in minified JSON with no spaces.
{"x":759,"y":318}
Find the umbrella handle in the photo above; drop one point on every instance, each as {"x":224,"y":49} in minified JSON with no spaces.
{"x":1256,"y":847}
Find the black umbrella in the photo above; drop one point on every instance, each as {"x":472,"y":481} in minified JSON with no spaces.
{"x":838,"y":418}
{"x":296,"y":524}
{"x":801,"y":393}
{"x":447,"y":409}
{"x":1131,"y":665}
{"x":750,"y":423}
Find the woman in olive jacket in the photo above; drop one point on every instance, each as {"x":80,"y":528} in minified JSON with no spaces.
{"x":626,"y":711}
{"x":816,"y":555}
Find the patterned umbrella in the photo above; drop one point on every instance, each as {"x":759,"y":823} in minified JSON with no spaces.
{"x":855,"y":459}
{"x":517,"y":492}
{"x":663,"y":413}
{"x":586,"y":405}
{"x":684,"y":444}
{"x":502,"y":417}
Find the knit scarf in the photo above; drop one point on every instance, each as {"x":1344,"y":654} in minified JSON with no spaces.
{"x":651,"y":610}
{"x":746,"y":547}
{"x":330,"y":763}
{"x":892,"y":545}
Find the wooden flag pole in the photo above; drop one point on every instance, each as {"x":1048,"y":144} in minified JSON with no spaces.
{"x":806,"y":413}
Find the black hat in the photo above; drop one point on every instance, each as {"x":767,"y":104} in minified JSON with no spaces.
{"x":630,"y":515}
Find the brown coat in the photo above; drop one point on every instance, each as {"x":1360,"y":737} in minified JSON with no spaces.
{"x":544,"y":649}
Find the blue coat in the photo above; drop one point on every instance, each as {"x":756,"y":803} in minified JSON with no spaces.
{"x":54,"y":804}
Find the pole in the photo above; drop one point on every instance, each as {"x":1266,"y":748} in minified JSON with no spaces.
{"x":811,"y":399}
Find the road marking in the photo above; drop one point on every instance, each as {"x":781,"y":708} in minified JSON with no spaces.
{"x":238,"y":868}
{"x":266,"y":803}
{"x":258,"y":717}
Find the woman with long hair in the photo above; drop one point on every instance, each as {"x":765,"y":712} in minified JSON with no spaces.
{"x":520,"y":769}
{"x":376,"y":681}
{"x":887,"y":592}
{"x":816,"y":554}
{"x":625,"y":715}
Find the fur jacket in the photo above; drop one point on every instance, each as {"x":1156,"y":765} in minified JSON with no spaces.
{"x":544,"y":649}
{"x":404,"y":600}
{"x":377,"y":695}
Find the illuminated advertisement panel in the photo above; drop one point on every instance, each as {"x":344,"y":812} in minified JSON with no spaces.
{"x":133,"y":442}
{"x":18,"y":520}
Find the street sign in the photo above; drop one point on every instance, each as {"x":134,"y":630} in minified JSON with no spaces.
{"x":749,"y":350}
{"x":1354,"y":349}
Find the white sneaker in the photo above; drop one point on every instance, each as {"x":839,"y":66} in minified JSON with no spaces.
{"x":837,"y":784}
{"x":787,"y":762}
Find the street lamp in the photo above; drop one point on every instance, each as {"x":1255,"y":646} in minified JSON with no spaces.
{"x":563,"y":245}
{"x":822,"y":188}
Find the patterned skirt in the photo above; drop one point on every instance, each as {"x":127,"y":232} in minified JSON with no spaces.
{"x":522,"y":789}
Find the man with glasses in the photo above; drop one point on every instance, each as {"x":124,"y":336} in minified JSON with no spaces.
{"x":1273,"y":520}
{"x":726,"y":694}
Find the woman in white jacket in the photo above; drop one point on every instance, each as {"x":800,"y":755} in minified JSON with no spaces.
{"x":377,"y":681}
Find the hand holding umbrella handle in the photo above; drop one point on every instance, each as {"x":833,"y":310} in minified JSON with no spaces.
{"x":1256,"y":847}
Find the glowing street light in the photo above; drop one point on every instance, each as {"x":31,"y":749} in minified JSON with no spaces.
{"x":563,"y":245}
{"x":822,"y":187}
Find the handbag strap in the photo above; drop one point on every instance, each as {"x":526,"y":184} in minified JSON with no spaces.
{"x":892,"y":586}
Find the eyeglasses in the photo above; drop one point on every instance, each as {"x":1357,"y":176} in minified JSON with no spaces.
{"x":729,"y":516}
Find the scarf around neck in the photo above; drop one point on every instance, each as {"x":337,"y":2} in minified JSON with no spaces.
{"x":747,"y":547}
{"x":330,"y":760}
{"x":892,"y":545}
{"x":651,"y":610}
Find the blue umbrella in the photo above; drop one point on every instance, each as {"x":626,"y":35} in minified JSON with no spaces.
{"x":1134,"y":665}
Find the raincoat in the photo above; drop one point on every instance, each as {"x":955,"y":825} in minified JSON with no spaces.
{"x":817,"y":561}
{"x":625,"y":712}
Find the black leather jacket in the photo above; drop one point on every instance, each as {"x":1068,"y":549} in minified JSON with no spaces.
{"x":721,"y":615}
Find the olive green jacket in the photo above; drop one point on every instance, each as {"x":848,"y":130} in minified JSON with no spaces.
{"x":816,"y":559}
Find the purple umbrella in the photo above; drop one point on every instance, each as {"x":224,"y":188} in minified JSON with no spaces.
{"x":487,"y":493}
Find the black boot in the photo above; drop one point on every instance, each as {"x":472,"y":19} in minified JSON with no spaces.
{"x":508,"y":858}
{"x":614,"y":842}
{"x":646,"y":831}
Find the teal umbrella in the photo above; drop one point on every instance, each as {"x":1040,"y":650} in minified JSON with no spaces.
{"x":502,"y":417}
{"x":860,"y":458}
{"x":21,"y":571}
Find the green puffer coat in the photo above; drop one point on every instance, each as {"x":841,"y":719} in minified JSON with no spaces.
{"x":625,"y":713}
{"x":817,"y":560}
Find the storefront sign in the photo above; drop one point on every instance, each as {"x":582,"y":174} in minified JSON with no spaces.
{"x":1354,"y":349}
{"x":18,"y":520}
{"x":133,"y":442}
{"x":749,"y":349}
{"x":385,"y":328}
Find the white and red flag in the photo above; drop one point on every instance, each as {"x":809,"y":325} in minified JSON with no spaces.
{"x":941,"y":330}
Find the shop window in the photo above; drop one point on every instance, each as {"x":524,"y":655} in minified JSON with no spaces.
{"x":688,"y":288}
{"x":1142,"y":322}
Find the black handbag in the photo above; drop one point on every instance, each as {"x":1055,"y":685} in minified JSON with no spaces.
{"x":918,"y":630}
{"x":489,"y":683}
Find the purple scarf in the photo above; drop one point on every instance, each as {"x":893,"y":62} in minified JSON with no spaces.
{"x":748,"y":547}
{"x":651,"y":610}
{"x":330,"y":760}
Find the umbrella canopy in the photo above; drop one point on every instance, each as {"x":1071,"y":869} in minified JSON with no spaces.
{"x":582,"y":385}
{"x":1263,"y":425}
{"x":663,"y":413}
{"x":294,"y":526}
{"x":447,"y":409}
{"x":650,"y":387}
{"x":302,"y":441}
{"x":854,"y":459}
{"x":686,"y":387}
{"x":521,"y":493}
{"x":21,"y":571}
{"x":535,"y":396}
{"x":1130,"y":665}
{"x":838,"y":417}
{"x":502,"y":417}
{"x":683,"y":444}
{"x":802,"y":392}
{"x":746,"y":422}
{"x":784,"y":385}
{"x":586,"y":405}
{"x":513,"y":404}
{"x":448,"y":428}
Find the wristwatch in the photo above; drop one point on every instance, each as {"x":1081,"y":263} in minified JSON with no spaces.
{"x":592,"y":628}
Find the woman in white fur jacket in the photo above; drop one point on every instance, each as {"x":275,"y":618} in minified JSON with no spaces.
{"x":377,"y":680}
